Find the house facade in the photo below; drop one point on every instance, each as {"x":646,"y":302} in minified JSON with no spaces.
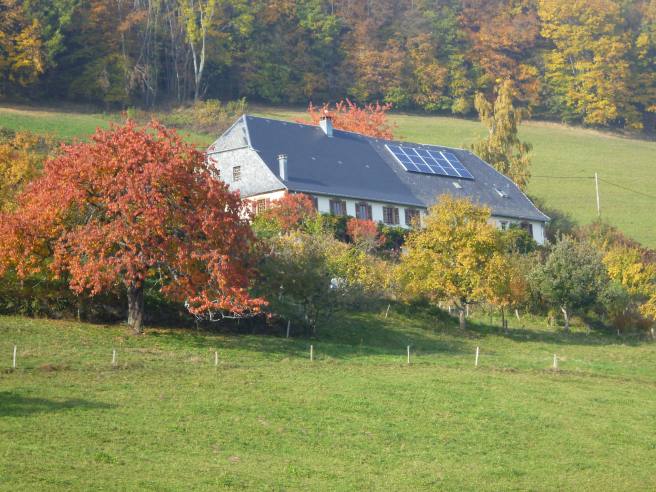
{"x":351,"y":174}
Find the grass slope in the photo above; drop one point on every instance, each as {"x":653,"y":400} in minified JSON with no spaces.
{"x":559,"y":151}
{"x":358,"y":417}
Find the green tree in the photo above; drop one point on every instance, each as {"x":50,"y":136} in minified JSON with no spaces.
{"x":572,"y":277}
{"x":502,"y":147}
{"x":450,"y":259}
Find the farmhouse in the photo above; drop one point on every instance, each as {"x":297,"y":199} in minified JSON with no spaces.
{"x":348,"y":173}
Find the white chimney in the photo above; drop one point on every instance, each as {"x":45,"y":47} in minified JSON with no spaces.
{"x":326,"y":124}
{"x":282,"y":164}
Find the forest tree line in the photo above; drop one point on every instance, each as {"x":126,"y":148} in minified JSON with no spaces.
{"x":584,"y":61}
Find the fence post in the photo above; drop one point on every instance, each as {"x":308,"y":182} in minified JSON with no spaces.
{"x":113,"y":357}
{"x":555,"y":362}
{"x":216,"y":358}
{"x":408,"y":354}
{"x":289,"y":322}
{"x":387,"y":311}
{"x":13,"y":363}
{"x":311,"y":352}
{"x":476,"y":361}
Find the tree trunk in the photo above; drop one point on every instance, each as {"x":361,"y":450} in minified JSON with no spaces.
{"x":566,"y":316}
{"x":503,"y":319}
{"x":462,"y":320}
{"x":135,"y":308}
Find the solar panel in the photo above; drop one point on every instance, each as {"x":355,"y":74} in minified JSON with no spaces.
{"x":429,"y":161}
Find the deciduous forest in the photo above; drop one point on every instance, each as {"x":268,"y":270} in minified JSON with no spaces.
{"x":579,"y":61}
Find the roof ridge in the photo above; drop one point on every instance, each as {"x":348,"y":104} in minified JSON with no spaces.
{"x":367,"y":137}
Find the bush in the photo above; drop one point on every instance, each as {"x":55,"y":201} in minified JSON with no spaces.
{"x":306,"y":277}
{"x":572,"y":277}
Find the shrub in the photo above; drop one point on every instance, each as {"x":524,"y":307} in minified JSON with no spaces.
{"x":572,"y":277}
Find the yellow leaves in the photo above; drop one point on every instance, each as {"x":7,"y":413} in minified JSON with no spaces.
{"x":625,"y":266}
{"x":20,"y":161}
{"x":502,"y":147}
{"x":21,"y":47}
{"x":449,"y":259}
{"x":587,"y":66}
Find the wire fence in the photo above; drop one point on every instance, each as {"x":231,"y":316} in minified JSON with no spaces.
{"x":25,"y":360}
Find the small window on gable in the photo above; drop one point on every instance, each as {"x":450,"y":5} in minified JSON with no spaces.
{"x":338,"y":207}
{"x":363,"y":211}
{"x":411,"y":217}
{"x":236,"y":173}
{"x":391,"y":215}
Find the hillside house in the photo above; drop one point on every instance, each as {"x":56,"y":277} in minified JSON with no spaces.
{"x":351,"y":174}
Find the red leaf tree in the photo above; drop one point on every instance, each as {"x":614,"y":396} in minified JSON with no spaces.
{"x":363,"y":233}
{"x":370,"y":119}
{"x":289,"y":211}
{"x":132,"y":204}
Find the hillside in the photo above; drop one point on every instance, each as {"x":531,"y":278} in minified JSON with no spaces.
{"x":357,"y":417}
{"x":564,"y":160}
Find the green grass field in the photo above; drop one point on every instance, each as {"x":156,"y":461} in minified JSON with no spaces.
{"x":356,"y":418}
{"x":564,"y":160}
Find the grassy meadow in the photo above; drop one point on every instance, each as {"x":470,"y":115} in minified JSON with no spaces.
{"x":358,"y":417}
{"x":564,"y":159}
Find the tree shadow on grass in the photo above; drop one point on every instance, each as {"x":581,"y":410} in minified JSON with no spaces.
{"x":346,"y":334}
{"x":13,"y":404}
{"x":556,"y":336}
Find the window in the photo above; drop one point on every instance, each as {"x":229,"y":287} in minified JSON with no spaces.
{"x":411,"y":216}
{"x":236,"y":173}
{"x":260,"y":206}
{"x":315,"y":202}
{"x":338,"y":207}
{"x":391,"y":215}
{"x":504,"y":225}
{"x":363,"y":211}
{"x":528,"y":227}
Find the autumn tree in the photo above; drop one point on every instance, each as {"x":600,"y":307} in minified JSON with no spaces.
{"x":21,"y":46}
{"x":508,"y":284}
{"x":503,"y":35}
{"x":633,"y":288}
{"x":285,"y":214}
{"x":370,"y":119}
{"x":451,"y":258}
{"x":502,"y":147}
{"x":21,"y":155}
{"x":363,"y":233}
{"x":130,"y":205}
{"x":587,"y":67}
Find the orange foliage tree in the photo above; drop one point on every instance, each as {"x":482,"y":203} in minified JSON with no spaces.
{"x":363,"y":233}
{"x":370,"y":119}
{"x":133,"y":204}
{"x":289,"y":212}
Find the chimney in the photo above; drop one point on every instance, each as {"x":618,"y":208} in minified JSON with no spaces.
{"x":326,"y":124}
{"x":282,"y":164}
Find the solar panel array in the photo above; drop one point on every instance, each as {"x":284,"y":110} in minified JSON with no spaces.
{"x":428,"y":161}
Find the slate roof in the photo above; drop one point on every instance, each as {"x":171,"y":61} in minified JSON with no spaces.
{"x":352,"y":165}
